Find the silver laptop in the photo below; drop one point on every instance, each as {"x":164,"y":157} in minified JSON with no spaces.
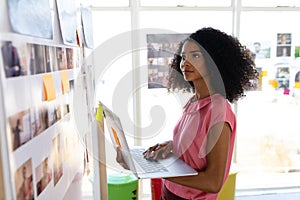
{"x":133,"y":157}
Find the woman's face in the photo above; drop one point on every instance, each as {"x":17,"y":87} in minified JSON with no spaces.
{"x":193,"y":63}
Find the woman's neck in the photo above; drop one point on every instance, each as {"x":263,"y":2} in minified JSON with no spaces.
{"x":202,"y":91}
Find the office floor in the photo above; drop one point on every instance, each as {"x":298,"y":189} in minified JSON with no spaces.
{"x":287,"y":194}
{"x":278,"y":196}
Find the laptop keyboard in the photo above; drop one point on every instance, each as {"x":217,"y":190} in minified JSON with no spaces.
{"x":147,"y":165}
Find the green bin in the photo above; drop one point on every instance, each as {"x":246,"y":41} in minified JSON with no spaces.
{"x":122,"y":186}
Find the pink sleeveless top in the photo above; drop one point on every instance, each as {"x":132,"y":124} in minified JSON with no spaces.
{"x":189,"y":139}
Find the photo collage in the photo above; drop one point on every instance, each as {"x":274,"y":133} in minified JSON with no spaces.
{"x":160,"y":51}
{"x":276,"y":62}
{"x":30,"y":180}
{"x":20,"y":59}
{"x":26,"y":60}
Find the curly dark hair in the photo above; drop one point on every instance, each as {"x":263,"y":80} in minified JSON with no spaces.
{"x":235,"y":69}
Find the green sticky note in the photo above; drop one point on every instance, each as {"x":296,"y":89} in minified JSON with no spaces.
{"x":99,"y":116}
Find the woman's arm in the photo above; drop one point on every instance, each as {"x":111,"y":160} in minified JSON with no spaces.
{"x":211,"y":179}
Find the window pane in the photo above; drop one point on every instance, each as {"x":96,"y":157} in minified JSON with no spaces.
{"x":270,"y":3}
{"x":117,"y":63}
{"x":108,"y":3}
{"x":180,"y":3}
{"x":268,"y":141}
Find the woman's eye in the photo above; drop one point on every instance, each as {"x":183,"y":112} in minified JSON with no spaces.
{"x":196,"y":55}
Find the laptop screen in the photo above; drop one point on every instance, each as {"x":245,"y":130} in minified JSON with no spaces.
{"x":116,"y":132}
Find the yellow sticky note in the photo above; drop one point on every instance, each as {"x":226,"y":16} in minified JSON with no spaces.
{"x":116,"y":137}
{"x":264,"y":73}
{"x":65,"y":82}
{"x":297,"y":84}
{"x":99,"y":114}
{"x":275,"y":84}
{"x":49,"y":89}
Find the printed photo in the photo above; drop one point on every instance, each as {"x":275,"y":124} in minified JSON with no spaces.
{"x":297,"y":52}
{"x":283,"y":51}
{"x":31,"y":17}
{"x":14,"y":58}
{"x":24,"y":182}
{"x":53,"y":59}
{"x":20,"y":128}
{"x":284,"y":38}
{"x":57,"y":159}
{"x":61,"y":58}
{"x":39,"y":119}
{"x":40,"y":62}
{"x":260,"y":49}
{"x":49,"y":64}
{"x":283,"y":77}
{"x":70,"y":60}
{"x":43,"y":175}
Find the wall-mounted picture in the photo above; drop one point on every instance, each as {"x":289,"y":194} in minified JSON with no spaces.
{"x":160,"y":51}
{"x":43,"y":175}
{"x":283,"y":77}
{"x":284,"y":38}
{"x":53,"y":59}
{"x":57,"y":159}
{"x":87,"y":25}
{"x":39,"y":119}
{"x":68,"y":20}
{"x":24,"y":181}
{"x":61,"y":58}
{"x":48,"y":63}
{"x":19,"y":125}
{"x":297,"y":52}
{"x":260,"y":49}
{"x":40,"y":62}
{"x":70,"y":60}
{"x":14,"y":58}
{"x":283,"y":51}
{"x":31,"y":17}
{"x":297,"y":77}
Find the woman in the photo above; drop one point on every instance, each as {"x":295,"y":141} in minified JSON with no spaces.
{"x":217,"y":69}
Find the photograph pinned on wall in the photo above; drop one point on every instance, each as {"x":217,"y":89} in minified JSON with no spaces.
{"x":24,"y":181}
{"x":48,"y":61}
{"x":67,"y":14}
{"x":31,"y":18}
{"x":70,"y":58}
{"x":283,"y":77}
{"x":52,"y":116}
{"x":20,"y":132}
{"x":160,"y":51}
{"x":31,"y":59}
{"x":297,"y":77}
{"x":35,"y":121}
{"x":53,"y":59}
{"x":284,"y":38}
{"x":260,"y":49}
{"x":39,"y":119}
{"x":57,"y":158}
{"x":14,"y":58}
{"x":283,"y":51}
{"x":87,"y":25}
{"x":43,"y":175}
{"x":61,"y":58}
{"x":257,"y":83}
{"x":40,"y":62}
{"x":297,"y":52}
{"x":296,"y":86}
{"x":284,"y":41}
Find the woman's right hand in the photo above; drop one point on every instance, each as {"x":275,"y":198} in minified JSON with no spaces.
{"x":158,"y":151}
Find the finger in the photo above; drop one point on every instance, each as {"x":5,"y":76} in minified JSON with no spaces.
{"x":150,"y":149}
